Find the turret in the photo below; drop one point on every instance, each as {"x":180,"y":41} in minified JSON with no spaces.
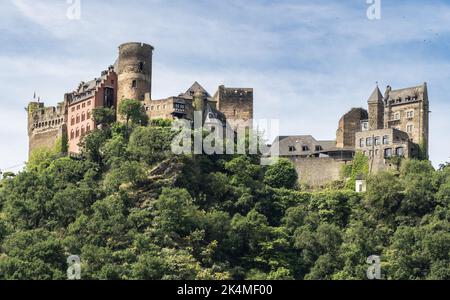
{"x":134,"y":71}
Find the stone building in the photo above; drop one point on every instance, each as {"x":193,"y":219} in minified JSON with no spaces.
{"x":130,"y":78}
{"x":395,"y":126}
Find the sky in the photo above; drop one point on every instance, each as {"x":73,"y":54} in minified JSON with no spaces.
{"x":309,"y":62}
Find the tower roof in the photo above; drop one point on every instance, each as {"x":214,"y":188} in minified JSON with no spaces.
{"x":376,"y":96}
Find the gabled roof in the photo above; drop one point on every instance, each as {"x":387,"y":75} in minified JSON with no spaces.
{"x":196,"y":87}
{"x":376,"y":96}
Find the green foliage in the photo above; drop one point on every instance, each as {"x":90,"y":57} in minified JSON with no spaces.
{"x":359,"y":167}
{"x":132,"y":110}
{"x":282,"y":174}
{"x":104,"y":115}
{"x":132,"y":210}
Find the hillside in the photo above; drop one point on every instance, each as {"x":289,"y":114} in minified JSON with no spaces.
{"x":132,"y":210}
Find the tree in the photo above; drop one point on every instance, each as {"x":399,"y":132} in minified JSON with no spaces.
{"x":132,"y":110}
{"x":282,"y":174}
{"x":35,"y":254}
{"x":104,"y":115}
{"x":384,"y":195}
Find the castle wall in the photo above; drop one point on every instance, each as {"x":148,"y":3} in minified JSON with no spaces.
{"x":317,"y":171}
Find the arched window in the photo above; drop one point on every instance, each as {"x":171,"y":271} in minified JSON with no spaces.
{"x":83,"y":116}
{"x":72,"y":134}
{"x":88,"y":116}
{"x":72,"y":121}
{"x":88,"y":128}
{"x":77,"y":133}
{"x":83,"y":130}
{"x":78,"y":118}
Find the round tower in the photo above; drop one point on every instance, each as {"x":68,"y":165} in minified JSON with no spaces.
{"x":134,"y":71}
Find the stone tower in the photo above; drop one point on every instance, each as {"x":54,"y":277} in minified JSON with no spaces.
{"x":134,"y":71}
{"x":236,"y":104}
{"x":376,"y":110}
{"x":349,"y":125}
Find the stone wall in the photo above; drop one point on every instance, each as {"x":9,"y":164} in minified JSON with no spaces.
{"x":317,"y":171}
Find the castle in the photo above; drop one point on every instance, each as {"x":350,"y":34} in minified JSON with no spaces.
{"x":130,"y":78}
{"x":394,"y":126}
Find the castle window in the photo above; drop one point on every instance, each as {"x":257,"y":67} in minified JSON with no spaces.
{"x":73,"y":109}
{"x":89,"y":103}
{"x":83,"y":116}
{"x":83,"y":105}
{"x":409,"y":128}
{"x":141,"y":66}
{"x":397,"y":116}
{"x":88,"y":128}
{"x":385,"y":140}
{"x":369,"y":141}
{"x":399,"y":151}
{"x":72,"y":134}
{"x":305,"y":148}
{"x":387,"y":152}
{"x":77,"y":133}
{"x":72,"y":121}
{"x":88,"y":116}
{"x":319,"y":148}
{"x":78,"y":107}
{"x":361,"y":143}
{"x":410,"y":114}
{"x":83,"y":131}
{"x":365,"y":126}
{"x":134,"y":84}
{"x":78,"y":118}
{"x":377,"y":141}
{"x":292,"y":149}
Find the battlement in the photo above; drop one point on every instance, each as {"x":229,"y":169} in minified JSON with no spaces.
{"x":42,"y":118}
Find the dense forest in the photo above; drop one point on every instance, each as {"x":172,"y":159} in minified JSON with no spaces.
{"x":130,"y":209}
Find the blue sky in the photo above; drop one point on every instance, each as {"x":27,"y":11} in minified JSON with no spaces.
{"x":308,"y":61}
